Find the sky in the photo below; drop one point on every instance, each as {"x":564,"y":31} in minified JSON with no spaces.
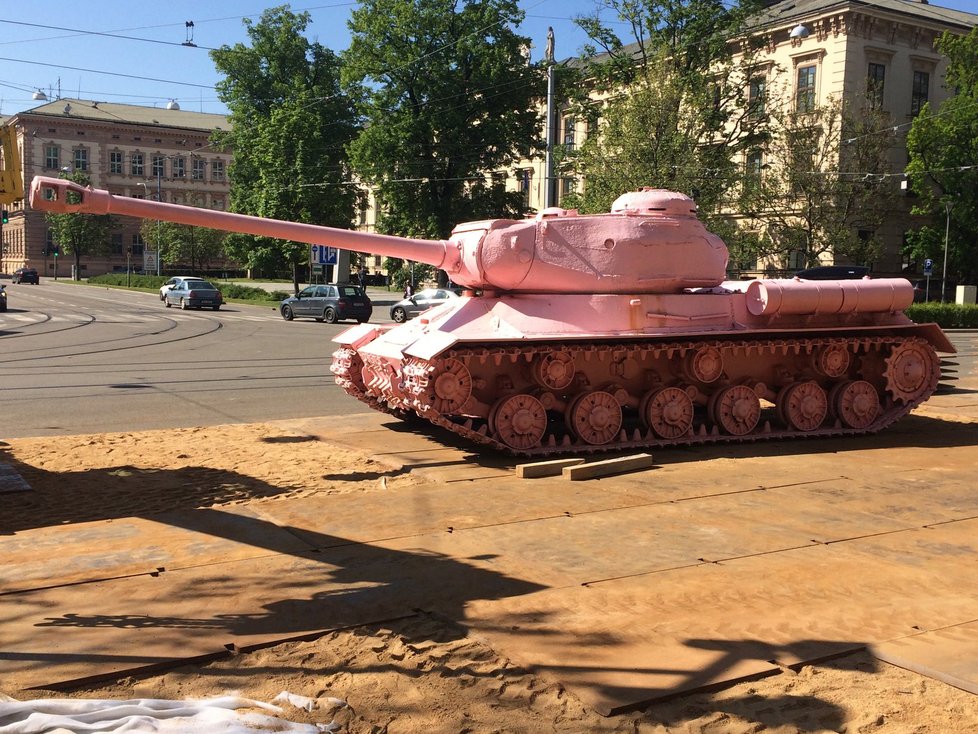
{"x":133,"y":52}
{"x":137,"y":52}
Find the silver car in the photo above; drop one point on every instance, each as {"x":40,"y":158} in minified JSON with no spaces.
{"x":421,"y":301}
{"x":175,"y":281}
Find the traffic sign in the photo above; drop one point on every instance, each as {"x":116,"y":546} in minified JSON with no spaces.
{"x":323,"y":255}
{"x":149,"y":261}
{"x":928,"y":267}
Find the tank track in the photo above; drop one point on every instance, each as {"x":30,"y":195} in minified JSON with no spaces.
{"x":588,"y":397}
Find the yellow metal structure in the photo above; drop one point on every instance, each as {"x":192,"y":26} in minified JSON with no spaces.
{"x":11,"y":178}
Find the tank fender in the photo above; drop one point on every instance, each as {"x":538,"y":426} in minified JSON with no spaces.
{"x":814,"y":297}
{"x":357,"y":336}
{"x":935,"y":336}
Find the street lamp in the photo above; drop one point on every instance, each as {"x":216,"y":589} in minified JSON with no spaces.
{"x":948,"y":205}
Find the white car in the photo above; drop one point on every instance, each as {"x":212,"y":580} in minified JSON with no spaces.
{"x":177,"y":280}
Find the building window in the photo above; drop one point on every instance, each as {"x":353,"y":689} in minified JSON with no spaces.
{"x":137,"y":245}
{"x":570,"y":124}
{"x":197,"y":169}
{"x":179,"y":168}
{"x":52,"y":157}
{"x":115,"y":161}
{"x":159,"y":166}
{"x":526,"y":178}
{"x":756,"y":96}
{"x":796,"y":260}
{"x":81,"y":159}
{"x":136,"y":165}
{"x":217,"y":170}
{"x":919,"y":94}
{"x":805,"y":94}
{"x":218,"y":203}
{"x":116,"y":243}
{"x":753,"y":164}
{"x":874,"y":86}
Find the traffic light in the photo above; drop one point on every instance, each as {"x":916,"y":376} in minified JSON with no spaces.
{"x":44,"y":252}
{"x":4,"y":216}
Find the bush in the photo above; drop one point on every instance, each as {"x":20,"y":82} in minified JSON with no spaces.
{"x":945,"y":315}
{"x":154,"y":282}
{"x":134,"y":281}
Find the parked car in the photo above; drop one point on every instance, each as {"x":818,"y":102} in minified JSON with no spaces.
{"x":177,"y":280}
{"x":26,"y":275}
{"x":194,"y":293}
{"x":834,"y":272}
{"x":329,"y":303}
{"x":421,"y":301}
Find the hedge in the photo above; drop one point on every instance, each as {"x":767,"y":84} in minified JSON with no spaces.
{"x":153,"y":282}
{"x":945,"y":315}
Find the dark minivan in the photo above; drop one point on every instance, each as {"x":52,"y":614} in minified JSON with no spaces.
{"x":330,"y":303}
{"x":834,"y":272}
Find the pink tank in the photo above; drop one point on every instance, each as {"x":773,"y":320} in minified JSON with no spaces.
{"x":581,"y":333}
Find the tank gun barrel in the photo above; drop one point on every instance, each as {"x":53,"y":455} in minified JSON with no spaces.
{"x":61,"y":196}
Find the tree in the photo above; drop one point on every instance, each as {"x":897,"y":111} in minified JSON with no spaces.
{"x":291,"y":123}
{"x":449,"y":97}
{"x":943,"y":153}
{"x":825,"y":188}
{"x":676,"y":112}
{"x":80,"y":235}
{"x":183,"y":244}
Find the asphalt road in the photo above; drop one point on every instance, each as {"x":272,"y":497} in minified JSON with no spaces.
{"x":80,"y":359}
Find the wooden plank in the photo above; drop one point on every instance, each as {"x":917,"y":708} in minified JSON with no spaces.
{"x":545,"y":468}
{"x":608,"y":466}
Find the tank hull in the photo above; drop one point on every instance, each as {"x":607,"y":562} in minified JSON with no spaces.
{"x":537,"y":375}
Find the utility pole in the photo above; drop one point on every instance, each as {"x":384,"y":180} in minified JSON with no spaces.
{"x":548,"y":174}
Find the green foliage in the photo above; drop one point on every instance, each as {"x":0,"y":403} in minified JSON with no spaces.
{"x":815,"y":196}
{"x":448,"y":97}
{"x":291,"y":125}
{"x":154,"y":282}
{"x":80,"y":234}
{"x":672,"y":124}
{"x":939,"y":144}
{"x":945,"y":315}
{"x":183,"y":244}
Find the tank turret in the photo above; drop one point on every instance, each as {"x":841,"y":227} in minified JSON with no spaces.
{"x":651,"y":242}
{"x":582,"y":333}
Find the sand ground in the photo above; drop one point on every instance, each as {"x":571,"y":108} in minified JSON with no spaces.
{"x":422,"y":673}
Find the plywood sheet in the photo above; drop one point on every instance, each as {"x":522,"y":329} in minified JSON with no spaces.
{"x":949,"y":655}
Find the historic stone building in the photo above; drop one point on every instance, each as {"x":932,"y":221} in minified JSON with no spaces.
{"x":144,"y":152}
{"x":878,"y":52}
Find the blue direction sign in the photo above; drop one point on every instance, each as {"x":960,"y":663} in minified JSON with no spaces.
{"x":323,"y":255}
{"x":928,"y":267}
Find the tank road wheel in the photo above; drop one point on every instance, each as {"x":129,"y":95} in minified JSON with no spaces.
{"x":594,"y":417}
{"x":912,"y":371}
{"x":668,"y":412}
{"x":736,"y":410}
{"x":833,"y":360}
{"x":519,"y":421}
{"x":705,"y":364}
{"x":855,"y":402}
{"x":452,"y":386}
{"x":804,"y":406}
{"x":554,"y":370}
